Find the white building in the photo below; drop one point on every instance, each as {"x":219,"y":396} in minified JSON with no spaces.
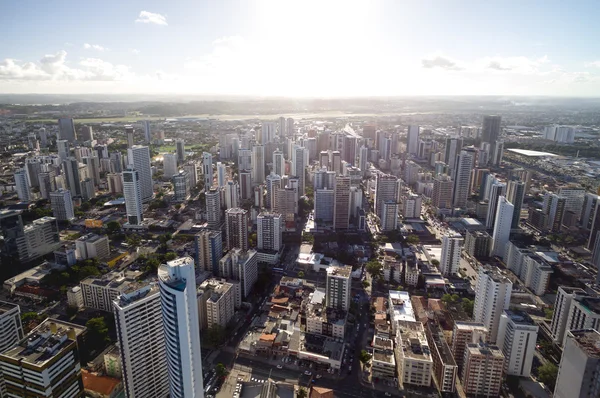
{"x":209,"y":250}
{"x":181,"y":186}
{"x":299,"y":163}
{"x":132,"y":191}
{"x":578,"y":375}
{"x":386,"y":190}
{"x":169,"y":165}
{"x":412,"y":140}
{"x":338,"y":287}
{"x":562,"y":308}
{"x":450,"y":258}
{"x":502,"y":226}
{"x":236,"y":228}
{"x":517,"y":337}
{"x":413,"y":354}
{"x":22,"y":186}
{"x":278,"y":163}
{"x":583,"y":314}
{"x":213,"y":208}
{"x":462,"y":177}
{"x":219,"y":307}
{"x":240,"y":266}
{"x":496,"y":191}
{"x":179,"y":304}
{"x":389,"y":216}
{"x":75,"y":297}
{"x":38,"y":239}
{"x":139,"y":322}
{"x":232,"y":195}
{"x":139,"y":157}
{"x":536,"y":274}
{"x":11,"y":328}
{"x":492,"y":297}
{"x":62,"y":205}
{"x":92,"y":246}
{"x":324,"y":204}
{"x":273,"y":183}
{"x":269,"y":231}
{"x":221,"y":174}
{"x":258,"y":164}
{"x":207,"y":170}
{"x":411,"y":206}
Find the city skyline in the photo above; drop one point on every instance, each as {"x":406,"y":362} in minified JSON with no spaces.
{"x":270,"y":48}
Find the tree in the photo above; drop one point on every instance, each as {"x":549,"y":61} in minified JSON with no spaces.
{"x":364,"y":357}
{"x":85,"y":206}
{"x":412,"y":239}
{"x":435,"y":262}
{"x":215,"y":335}
{"x":97,"y":332}
{"x":301,"y":274}
{"x":549,"y":312}
{"x":301,"y":393}
{"x":547,"y":374}
{"x":170,"y":256}
{"x":375,"y":268}
{"x":366,"y":284}
{"x":112,"y":227}
{"x":221,"y":370}
{"x":308,"y":237}
{"x":467,"y":306}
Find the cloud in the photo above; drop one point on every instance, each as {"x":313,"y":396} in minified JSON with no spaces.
{"x":135,"y":51}
{"x":53,"y":67}
{"x":151,"y":17}
{"x":592,"y":64}
{"x":97,"y":47}
{"x":518,"y":64}
{"x":441,"y":62}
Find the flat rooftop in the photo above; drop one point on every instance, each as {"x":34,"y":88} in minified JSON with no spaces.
{"x":384,"y":356}
{"x":466,"y":326}
{"x":91,"y":238}
{"x":414,"y":340}
{"x":484,"y":349}
{"x":588,"y":340}
{"x":530,"y":153}
{"x":401,"y":307}
{"x":519,"y":317}
{"x":343,"y":271}
{"x":7,"y":307}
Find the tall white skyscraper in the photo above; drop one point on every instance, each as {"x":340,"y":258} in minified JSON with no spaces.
{"x":207,"y":170}
{"x":213,"y":208}
{"x":236,"y":227}
{"x":22,"y":186}
{"x":338,"y":287}
{"x":578,"y":375}
{"x":517,"y":336}
{"x":502,"y":225}
{"x":281,"y":127}
{"x":221,"y":174}
{"x":278,"y":163}
{"x":245,"y":159}
{"x":179,"y":302}
{"x":290,"y":131}
{"x":562,"y":308}
{"x":62,"y":205}
{"x":169,"y":165}
{"x":139,"y":157}
{"x":63,"y":149}
{"x":492,"y":297}
{"x":299,"y":163}
{"x":363,"y":155}
{"x":496,"y":191}
{"x":412,"y":140}
{"x":386,"y":190}
{"x":462,"y":177}
{"x":273,"y":184}
{"x":258,"y":164}
{"x":132,"y":191}
{"x":269,"y":231}
{"x":231,"y":194}
{"x":515,"y":194}
{"x":267,"y":133}
{"x":138,"y":319}
{"x":450,"y":257}
{"x":129,"y":134}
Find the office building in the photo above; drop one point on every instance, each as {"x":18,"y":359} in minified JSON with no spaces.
{"x":389,"y":216}
{"x":147,"y":131}
{"x":363,"y":156}
{"x":92,"y":246}
{"x":490,"y":131}
{"x":169,"y":165}
{"x":482,"y":370}
{"x":578,"y":375}
{"x":93,"y":166}
{"x":139,"y":157}
{"x":231,"y":192}
{"x":209,"y":250}
{"x":338,"y":287}
{"x":181,"y":186}
{"x":412,"y":140}
{"x":386,"y":190}
{"x":465,"y":333}
{"x":245,"y":159}
{"x":269,"y":231}
{"x":492,"y":296}
{"x":554,"y":207}
{"x":496,"y":191}
{"x":240,"y":266}
{"x":462,"y":177}
{"x":336,"y":162}
{"x":139,"y":324}
{"x":273,"y":183}
{"x":219,"y":308}
{"x":36,"y":362}
{"x":38,"y":239}
{"x":517,"y":336}
{"x":66,"y":130}
{"x":258,"y":164}
{"x":502,"y":226}
{"x":132,"y":191}
{"x":341,"y":203}
{"x":236,"y":227}
{"x":562,"y":308}
{"x":22,"y":186}
{"x":411,"y":206}
{"x":574,"y":196}
{"x":278,"y":163}
{"x":245,"y":182}
{"x":213,"y":208}
{"x":129,"y":135}
{"x":87,"y":189}
{"x":62,"y":205}
{"x":180,"y":150}
{"x":179,"y":303}
{"x":450,"y":257}
{"x":115,"y":182}
{"x":478,"y":244}
{"x":207,"y":170}
{"x":299,"y":163}
{"x":116,"y":160}
{"x":442,"y":192}
{"x":515,"y":194}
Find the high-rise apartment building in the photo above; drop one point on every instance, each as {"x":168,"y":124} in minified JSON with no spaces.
{"x":219,"y":307}
{"x":338,"y":287}
{"x":442,"y":192}
{"x":132,"y":191}
{"x":169,"y":165}
{"x":450,"y":257}
{"x":492,"y":297}
{"x":389,"y":216}
{"x":483,"y":367}
{"x":231,"y":192}
{"x":236,"y":227}
{"x":139,"y":157}
{"x":496,"y":191}
{"x":517,"y":336}
{"x":213,"y":208}
{"x":465,"y":333}
{"x":241,"y":266}
{"x":269,"y":231}
{"x":386,"y":189}
{"x":273,"y":183}
{"x":258,"y":164}
{"x":515,"y":193}
{"x":341,"y":203}
{"x":129,"y":135}
{"x":584,"y":313}
{"x":62,"y":205}
{"x":22,"y":186}
{"x":140,"y":331}
{"x":180,"y":150}
{"x":462,"y":177}
{"x":299,"y":163}
{"x":181,"y":186}
{"x":562,"y":308}
{"x":147,"y":131}
{"x":490,"y":131}
{"x":502,"y":226}
{"x":38,"y":239}
{"x":578,"y":375}
{"x":412,"y":140}
{"x":179,"y":303}
{"x":66,"y":130}
{"x":209,"y":250}
{"x":207,"y":170}
{"x":453,"y":148}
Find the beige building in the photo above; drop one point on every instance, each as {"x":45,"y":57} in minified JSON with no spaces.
{"x":465,"y":333}
{"x":75,"y":297}
{"x":92,"y":246}
{"x":482,"y":370}
{"x":383,"y":363}
{"x":415,"y":365}
{"x":219,"y":306}
{"x":99,"y":293}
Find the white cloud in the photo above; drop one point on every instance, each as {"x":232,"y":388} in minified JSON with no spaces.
{"x":53,"y":67}
{"x":592,"y":64}
{"x":135,"y":51}
{"x":96,"y":47}
{"x":151,"y":17}
{"x":440,"y":61}
{"x":519,"y":64}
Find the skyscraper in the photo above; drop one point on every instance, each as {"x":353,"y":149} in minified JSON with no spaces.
{"x":496,"y":191}
{"x":363,"y":156}
{"x":179,"y":304}
{"x":139,"y":157}
{"x":132,"y":191}
{"x":578,"y":376}
{"x":299,"y":163}
{"x":412,"y":139}
{"x":71,"y":171}
{"x":213,"y":208}
{"x":87,"y":133}
{"x":62,"y":205}
{"x":63,"y":149}
{"x":278,"y":163}
{"x":338,"y":287}
{"x":502,"y":225}
{"x":442,"y":192}
{"x":386,"y":189}
{"x":453,"y":147}
{"x":562,"y":308}
{"x":181,"y":186}
{"x":258,"y":164}
{"x":180,"y":146}
{"x":515,"y":194}
{"x":147,"y":131}
{"x":207,"y":170}
{"x":462,"y":177}
{"x":517,"y":336}
{"x":272,"y":185}
{"x":221,"y":174}
{"x":231,"y":194}
{"x":492,"y":297}
{"x":245,"y":177}
{"x":490,"y":130}
{"x":341,"y":203}
{"x":269,"y":231}
{"x":209,"y":250}
{"x":450,"y":257}
{"x":555,"y":208}
{"x":236,"y":227}
{"x":139,"y":324}
{"x":22,"y":186}
{"x":66,"y":130}
{"x":129,"y":135}
{"x":169,"y":165}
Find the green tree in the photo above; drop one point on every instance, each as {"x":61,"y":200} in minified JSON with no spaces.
{"x":85,"y":206}
{"x":170,"y":256}
{"x":221,"y":370}
{"x":375,"y":268}
{"x":308,"y":237}
{"x":301,"y":393}
{"x":301,"y":274}
{"x":366,"y":284}
{"x":467,"y":306}
{"x":215,"y":335}
{"x":364,"y":357}
{"x":97,"y":332}
{"x":412,"y":239}
{"x":547,"y":374}
{"x":435,"y":262}
{"x":112,"y":227}
{"x":549,"y":312}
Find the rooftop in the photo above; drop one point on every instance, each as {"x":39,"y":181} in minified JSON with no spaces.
{"x":401,"y":306}
{"x":587,"y":340}
{"x":384,"y":356}
{"x":91,"y":238}
{"x":100,"y":384}
{"x":7,"y":307}
{"x":343,"y":271}
{"x":484,"y":349}
{"x":414,"y":342}
{"x":519,"y":317}
{"x":495,"y":274}
{"x":465,"y":326}
{"x":124,"y":283}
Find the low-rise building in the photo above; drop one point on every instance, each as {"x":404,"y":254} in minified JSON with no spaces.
{"x":383,"y":363}
{"x":99,"y":293}
{"x":92,"y":246}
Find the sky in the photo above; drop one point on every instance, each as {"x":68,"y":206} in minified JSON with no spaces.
{"x":307,"y":48}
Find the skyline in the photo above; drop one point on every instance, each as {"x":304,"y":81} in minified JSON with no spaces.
{"x":301,"y":49}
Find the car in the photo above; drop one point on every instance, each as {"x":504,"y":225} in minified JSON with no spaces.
{"x":308,"y":373}
{"x":387,"y":394}
{"x":319,"y":376}
{"x":279,"y":367}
